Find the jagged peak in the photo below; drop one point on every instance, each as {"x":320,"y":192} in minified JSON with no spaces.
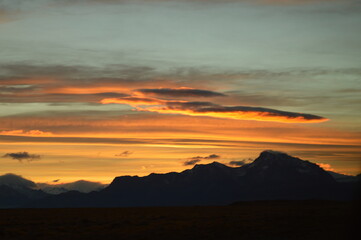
{"x":273,"y":152}
{"x":276,"y":155}
{"x":218,"y":164}
{"x":271,"y":157}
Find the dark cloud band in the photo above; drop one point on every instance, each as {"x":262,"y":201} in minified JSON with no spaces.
{"x":180,"y":92}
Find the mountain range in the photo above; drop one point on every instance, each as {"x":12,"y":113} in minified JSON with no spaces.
{"x":272,"y":176}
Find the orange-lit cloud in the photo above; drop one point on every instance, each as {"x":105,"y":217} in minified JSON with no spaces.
{"x":214,"y":110}
{"x":20,"y":132}
{"x":244,"y":113}
{"x":325,"y":166}
{"x":86,"y":90}
{"x":134,"y":101}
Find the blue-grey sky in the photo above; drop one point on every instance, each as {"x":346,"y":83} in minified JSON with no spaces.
{"x":235,"y":35}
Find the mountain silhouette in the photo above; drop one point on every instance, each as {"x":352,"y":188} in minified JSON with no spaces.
{"x":272,"y":176}
{"x":339,"y":177}
{"x":276,"y":175}
{"x":16,"y":191}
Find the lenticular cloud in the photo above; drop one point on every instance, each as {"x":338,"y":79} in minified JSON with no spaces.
{"x":209,"y":109}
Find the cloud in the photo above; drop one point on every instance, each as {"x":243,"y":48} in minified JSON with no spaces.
{"x":25,"y":133}
{"x":214,"y":110}
{"x":325,"y":166}
{"x":241,"y":113}
{"x":122,"y":124}
{"x":191,"y":162}
{"x":57,"y":83}
{"x":20,"y":82}
{"x":197,"y":159}
{"x":20,"y":156}
{"x":133,"y":101}
{"x":179,"y":92}
{"x":239,"y":163}
{"x":123,"y":154}
{"x":212,"y":156}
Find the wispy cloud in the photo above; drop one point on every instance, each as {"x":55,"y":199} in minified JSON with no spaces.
{"x":20,"y":83}
{"x":123,"y":154}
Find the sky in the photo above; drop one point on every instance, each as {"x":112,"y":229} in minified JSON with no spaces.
{"x":93,"y":89}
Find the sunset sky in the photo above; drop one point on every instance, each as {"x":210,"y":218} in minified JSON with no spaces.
{"x":93,"y":89}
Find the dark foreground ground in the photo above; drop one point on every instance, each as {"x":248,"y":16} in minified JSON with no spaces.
{"x":249,"y":220}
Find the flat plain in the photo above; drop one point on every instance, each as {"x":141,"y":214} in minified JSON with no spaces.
{"x":246,"y":220}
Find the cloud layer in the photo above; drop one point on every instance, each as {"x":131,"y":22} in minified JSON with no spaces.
{"x":210,"y":109}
